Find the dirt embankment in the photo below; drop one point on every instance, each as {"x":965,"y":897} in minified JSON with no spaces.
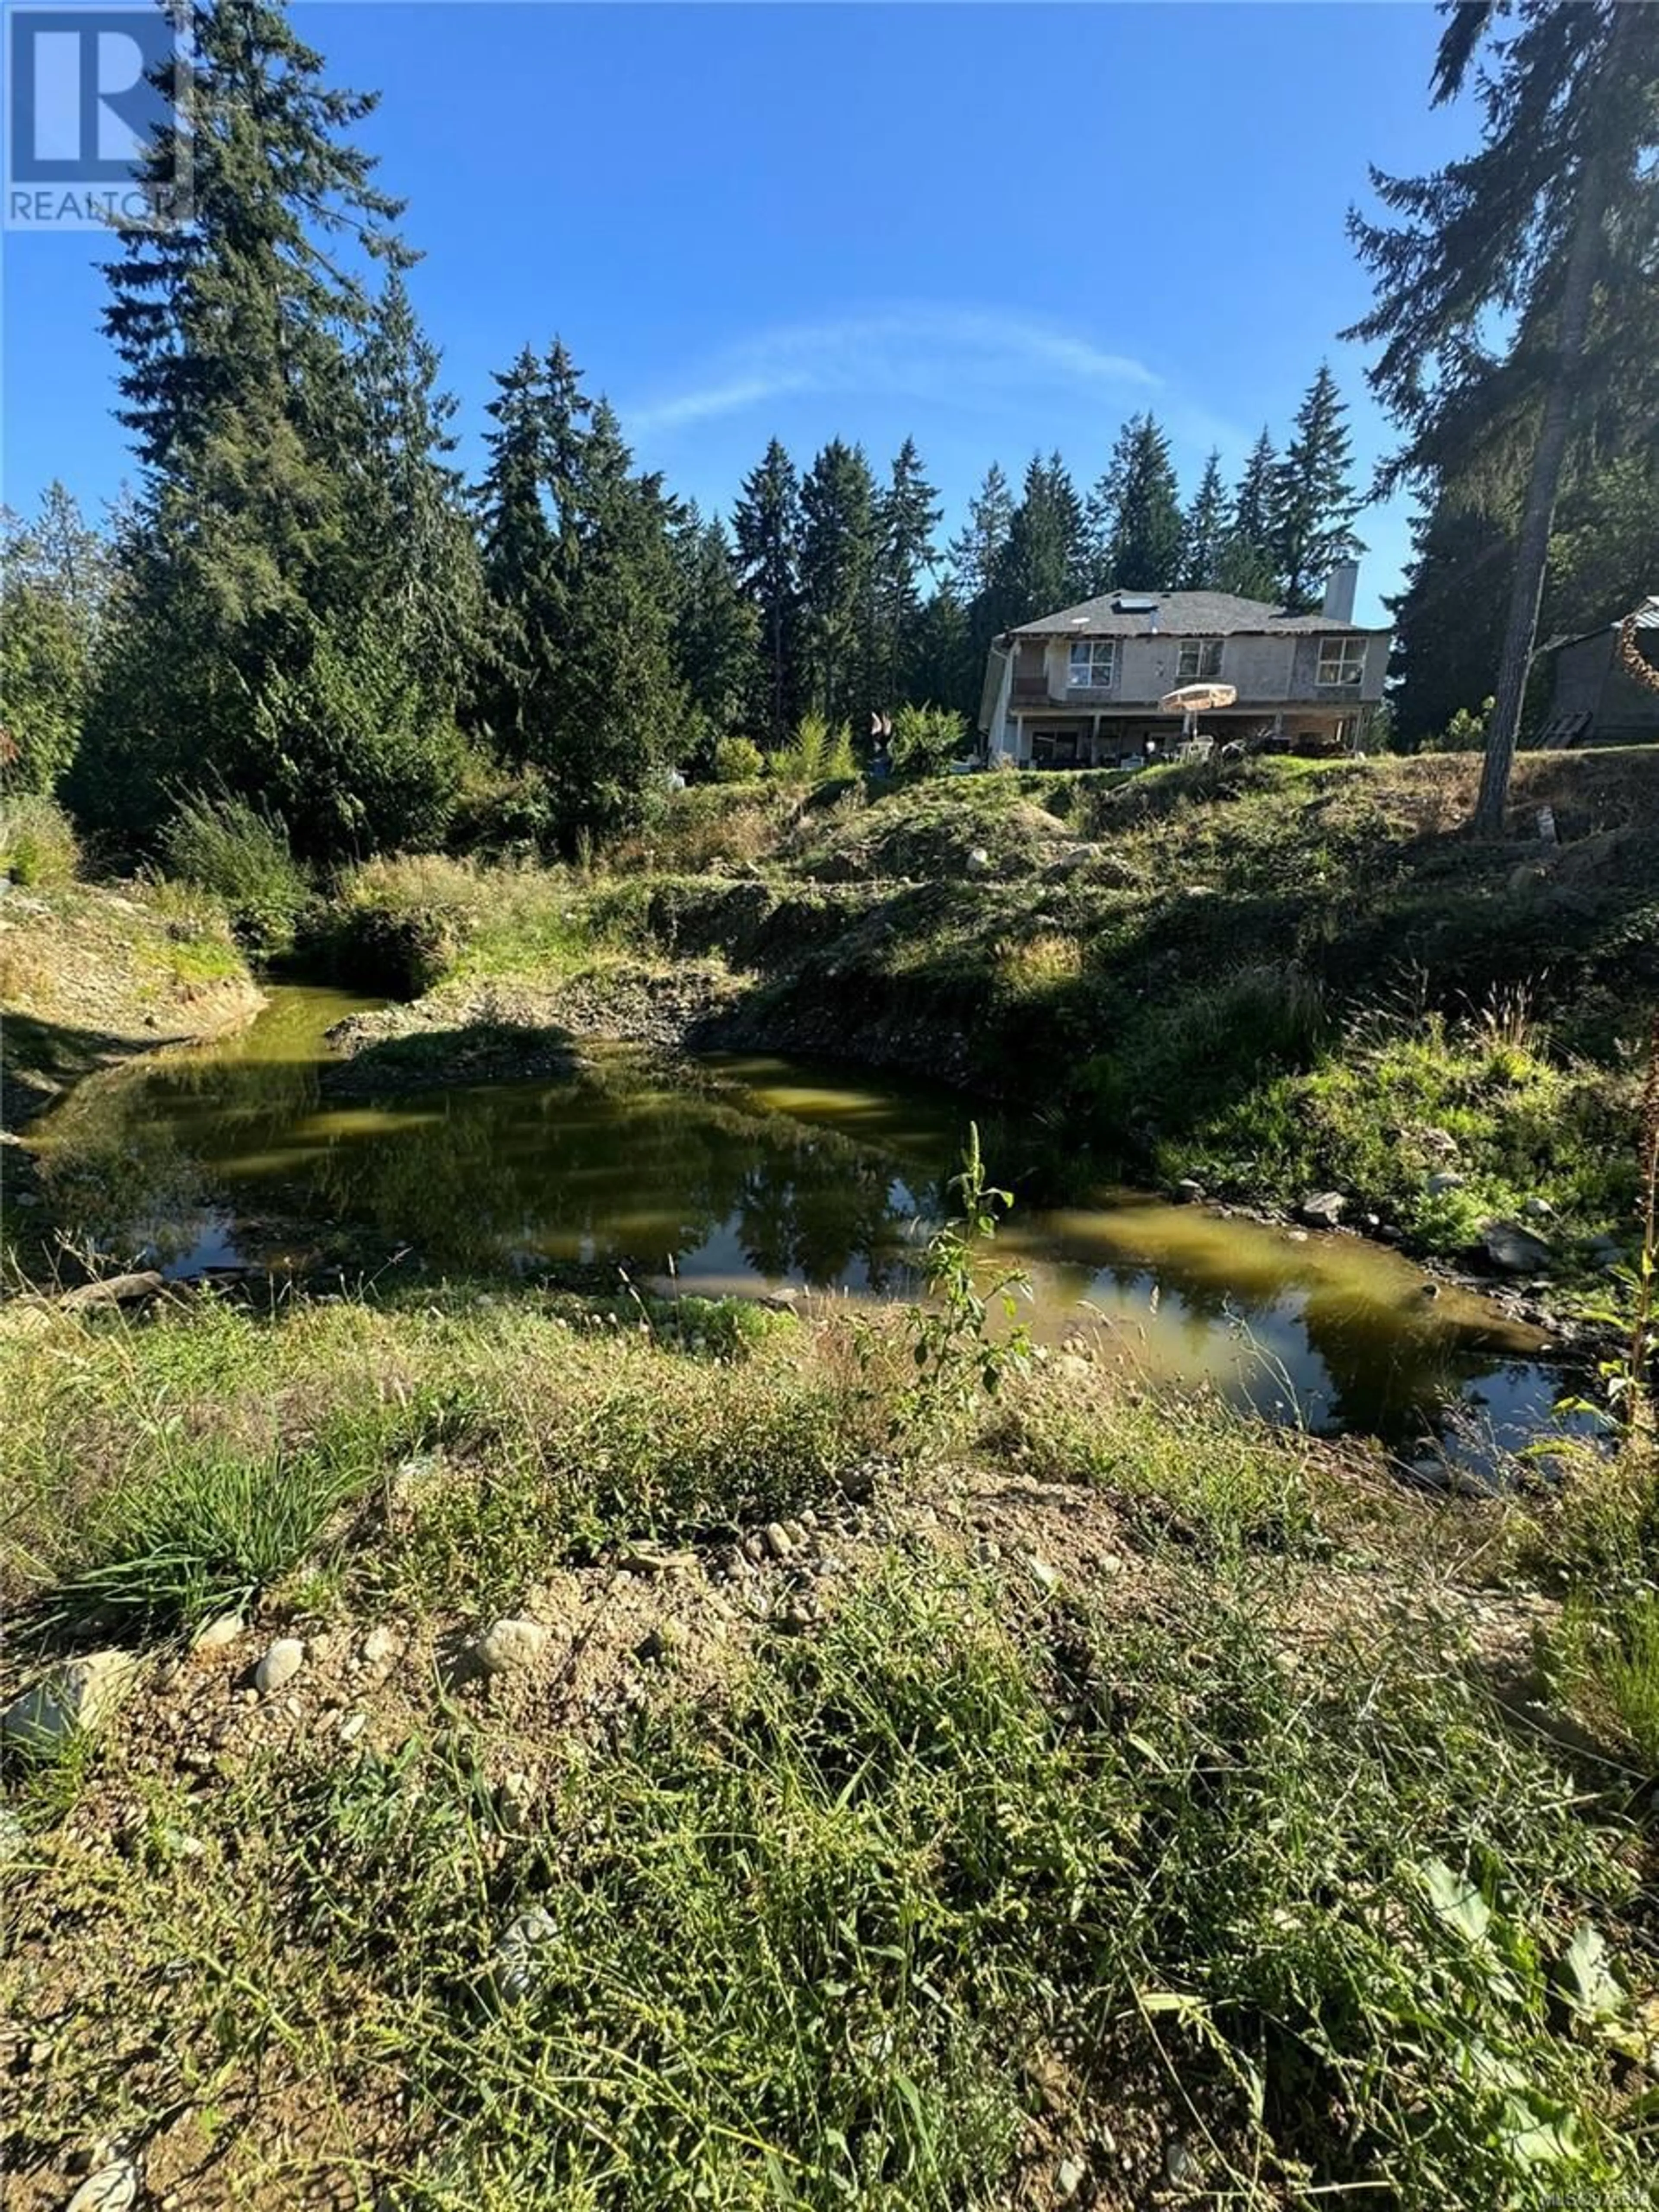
{"x":90,"y":974}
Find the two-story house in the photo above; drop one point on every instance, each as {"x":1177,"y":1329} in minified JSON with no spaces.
{"x":1081,"y":688}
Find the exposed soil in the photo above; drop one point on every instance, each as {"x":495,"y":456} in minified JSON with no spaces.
{"x":89,"y":977}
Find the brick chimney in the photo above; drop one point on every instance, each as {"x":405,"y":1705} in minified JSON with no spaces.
{"x":1340,"y":592}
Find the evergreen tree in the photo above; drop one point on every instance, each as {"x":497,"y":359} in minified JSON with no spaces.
{"x":619,"y":717}
{"x":1448,"y":619}
{"x":54,"y":587}
{"x":838,"y":566}
{"x":907,"y":514}
{"x":583,"y":595}
{"x":415,"y":534}
{"x":256,"y":650}
{"x":973,"y":555}
{"x":1605,"y":551}
{"x":523,"y":576}
{"x":767,"y":525}
{"x":1044,"y":563}
{"x":1203,"y":532}
{"x":1134,"y":513}
{"x":1544,"y":239}
{"x":974,"y":563}
{"x":1313,"y":501}
{"x":945,"y":663}
{"x":1248,"y":565}
{"x":717,"y":631}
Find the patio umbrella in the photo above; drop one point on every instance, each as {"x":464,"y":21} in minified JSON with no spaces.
{"x":1194,"y":699}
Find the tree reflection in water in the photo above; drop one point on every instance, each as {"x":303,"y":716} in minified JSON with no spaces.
{"x":758,"y":1173}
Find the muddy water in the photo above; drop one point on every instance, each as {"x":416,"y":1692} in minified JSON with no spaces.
{"x":753,"y":1175}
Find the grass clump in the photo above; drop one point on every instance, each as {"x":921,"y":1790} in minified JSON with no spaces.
{"x":203,"y":1534}
{"x":223,"y":845}
{"x":39,"y":850}
{"x":1438,"y":1123}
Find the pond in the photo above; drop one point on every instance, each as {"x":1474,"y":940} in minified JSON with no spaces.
{"x":756,"y":1175}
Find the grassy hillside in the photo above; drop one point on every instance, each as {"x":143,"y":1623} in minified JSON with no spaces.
{"x":1271,"y":975}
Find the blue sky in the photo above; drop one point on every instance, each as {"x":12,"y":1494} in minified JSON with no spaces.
{"x":996,"y":227}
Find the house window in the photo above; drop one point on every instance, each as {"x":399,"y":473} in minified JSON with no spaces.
{"x":1341,"y":663}
{"x":1092,"y":666}
{"x":1200,"y":661}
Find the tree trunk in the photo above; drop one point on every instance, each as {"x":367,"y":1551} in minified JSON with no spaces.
{"x":1533,"y":546}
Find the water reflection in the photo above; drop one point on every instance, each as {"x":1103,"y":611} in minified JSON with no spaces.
{"x":761,"y":1174}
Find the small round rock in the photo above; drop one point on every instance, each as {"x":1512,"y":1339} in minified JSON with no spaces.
{"x":510,"y":1644}
{"x":279,"y":1666}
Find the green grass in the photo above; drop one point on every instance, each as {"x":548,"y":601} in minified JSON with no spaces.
{"x":973,"y":1877}
{"x":192,"y":1461}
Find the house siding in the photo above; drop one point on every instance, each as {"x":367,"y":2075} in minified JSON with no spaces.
{"x":1265,"y":671}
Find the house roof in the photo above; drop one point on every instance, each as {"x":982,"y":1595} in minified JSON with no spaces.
{"x":1645,"y":615}
{"x":1181,"y":614}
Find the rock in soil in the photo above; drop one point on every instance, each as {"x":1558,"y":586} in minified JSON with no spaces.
{"x":1516,"y":1250}
{"x":279,"y":1666}
{"x":78,"y":1695}
{"x":1323,"y":1209}
{"x":112,"y":2189}
{"x":217,"y":1633}
{"x":514,"y":1967}
{"x":511,"y":1645}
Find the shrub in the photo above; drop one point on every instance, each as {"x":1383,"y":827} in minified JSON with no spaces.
{"x":221,"y":844}
{"x":497,"y":812}
{"x":737,"y":760}
{"x":927,"y":739}
{"x":1466,"y":733}
{"x":37,"y":844}
{"x":816,"y":753}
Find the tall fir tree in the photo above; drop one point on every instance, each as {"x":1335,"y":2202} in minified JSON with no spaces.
{"x":974,"y":562}
{"x":619,"y":721}
{"x":415,"y":533}
{"x":943,"y":667}
{"x":838,"y":569}
{"x":256,"y":651}
{"x":1044,"y":561}
{"x":1313,"y":499}
{"x":766,"y":524}
{"x":1134,"y":513}
{"x":524,"y":577}
{"x":1248,"y":565}
{"x":1204,"y":531}
{"x":907,"y":513}
{"x":1448,"y":619}
{"x":717,"y":631}
{"x":583,"y":593}
{"x":1539,"y":251}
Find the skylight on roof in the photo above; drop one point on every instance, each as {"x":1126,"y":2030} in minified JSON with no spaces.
{"x":1126,"y":605}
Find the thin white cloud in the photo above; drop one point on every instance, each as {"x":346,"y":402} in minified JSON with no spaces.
{"x":933,"y":354}
{"x":730,"y":399}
